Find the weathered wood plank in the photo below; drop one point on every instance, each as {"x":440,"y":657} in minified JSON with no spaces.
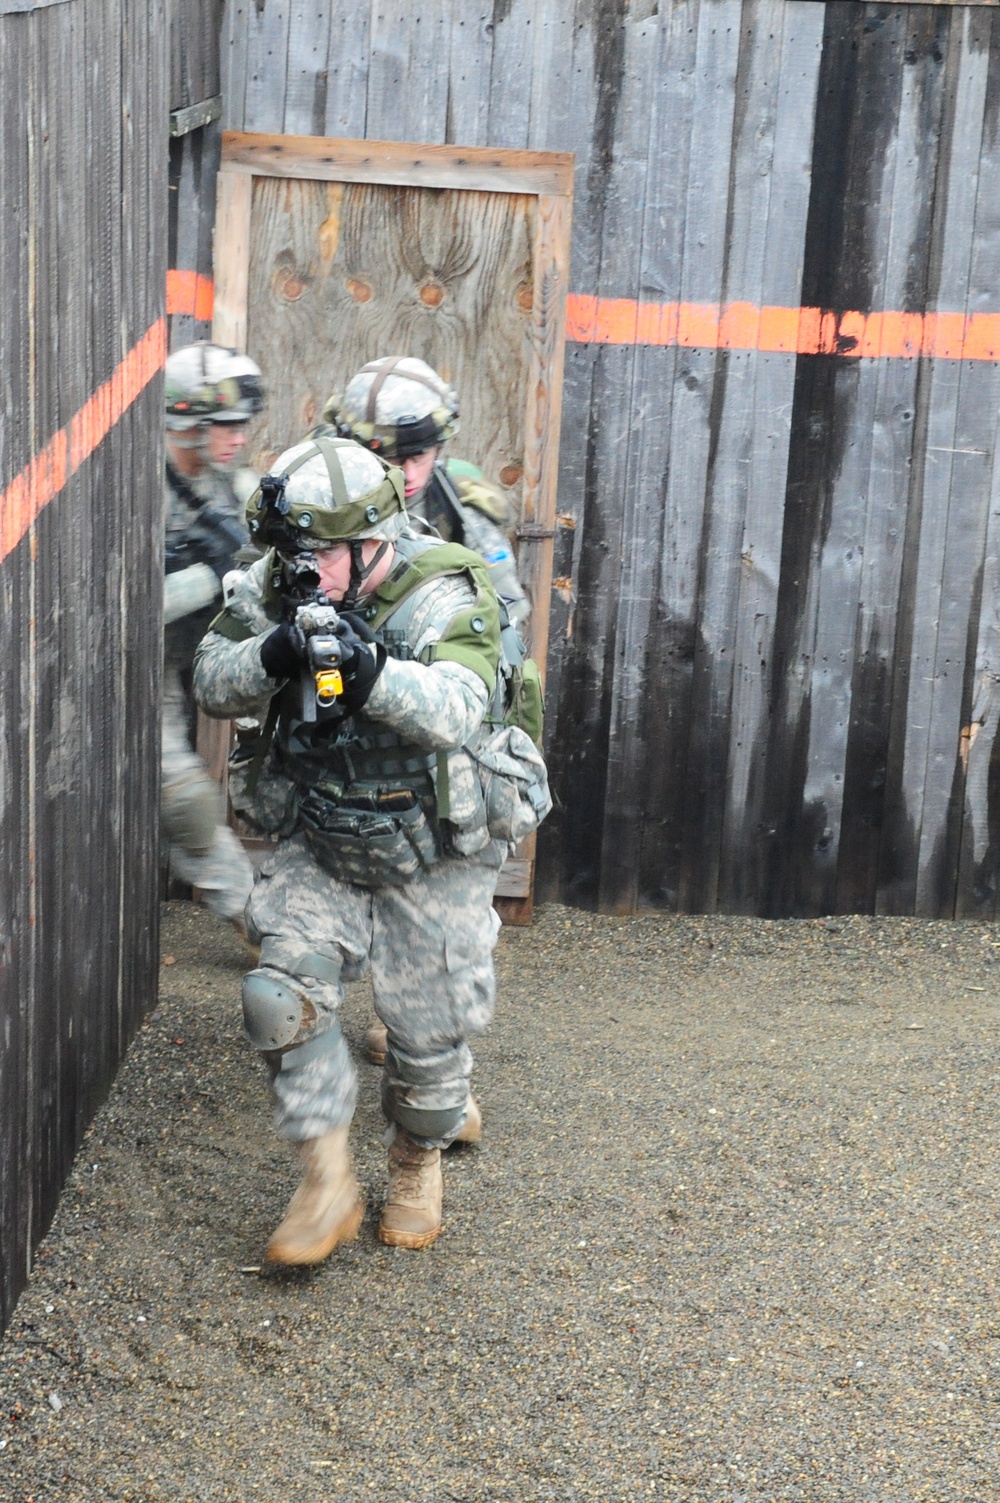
{"x":407,"y":87}
{"x":267,"y":60}
{"x":902,"y":281}
{"x":514,"y":24}
{"x":590,"y":674}
{"x":232,"y":258}
{"x":979,"y":858}
{"x":470,"y":59}
{"x":775,"y":280}
{"x":958,"y":678}
{"x":234,"y":64}
{"x":346,"y":72}
{"x":938,"y":631}
{"x":550,"y":276}
{"x":194,"y":165}
{"x":639,"y":659}
{"x":748,"y":423}
{"x":194,"y":51}
{"x":306,"y":69}
{"x":860,"y":278}
{"x":695,"y":417}
{"x":477,"y":169}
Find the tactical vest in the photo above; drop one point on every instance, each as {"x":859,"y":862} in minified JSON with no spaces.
{"x":360,"y":763}
{"x":355,"y":756}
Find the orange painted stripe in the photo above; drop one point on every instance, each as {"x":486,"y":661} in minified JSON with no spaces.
{"x":190,"y":292}
{"x":63,"y":455}
{"x":800,"y":331}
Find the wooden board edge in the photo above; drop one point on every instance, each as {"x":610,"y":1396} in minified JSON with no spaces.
{"x":234,"y":194}
{"x":543,"y":412}
{"x":400,"y":163}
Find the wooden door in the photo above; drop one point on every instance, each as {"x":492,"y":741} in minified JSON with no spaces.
{"x":330,"y":253}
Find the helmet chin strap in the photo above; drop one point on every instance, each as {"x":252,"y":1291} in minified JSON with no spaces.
{"x":359,"y":571}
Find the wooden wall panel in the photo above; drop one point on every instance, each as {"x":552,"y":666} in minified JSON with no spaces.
{"x":83,"y":101}
{"x":194,"y":51}
{"x":769,"y":677}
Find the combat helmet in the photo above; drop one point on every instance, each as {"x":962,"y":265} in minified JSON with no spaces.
{"x":396,"y":406}
{"x":328,"y":490}
{"x":207,"y":383}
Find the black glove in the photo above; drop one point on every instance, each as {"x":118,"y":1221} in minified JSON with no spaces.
{"x":283,"y":651}
{"x":363,"y":660}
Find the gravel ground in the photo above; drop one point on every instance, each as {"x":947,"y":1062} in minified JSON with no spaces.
{"x":731,"y":1236}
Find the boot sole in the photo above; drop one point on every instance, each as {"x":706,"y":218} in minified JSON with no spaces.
{"x":413,"y":1240}
{"x":344,"y":1231}
{"x":376,"y":1056}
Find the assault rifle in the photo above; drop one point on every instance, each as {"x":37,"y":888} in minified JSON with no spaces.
{"x":304,"y":604}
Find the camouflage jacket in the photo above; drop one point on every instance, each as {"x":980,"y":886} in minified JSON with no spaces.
{"x":433,"y":691}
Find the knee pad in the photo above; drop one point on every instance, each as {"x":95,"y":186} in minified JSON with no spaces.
{"x":273,"y":1014}
{"x":421,"y":1122}
{"x":190,"y":812}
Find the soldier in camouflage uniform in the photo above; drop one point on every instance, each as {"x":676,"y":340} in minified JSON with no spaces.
{"x":401,"y":409}
{"x":387,"y":860}
{"x":211,"y":394}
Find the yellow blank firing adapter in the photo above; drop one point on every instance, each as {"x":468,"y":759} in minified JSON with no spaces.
{"x":329,"y":685}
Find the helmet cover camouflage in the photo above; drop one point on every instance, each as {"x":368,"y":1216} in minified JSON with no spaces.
{"x":206,"y":383}
{"x":326,"y":490}
{"x":396,"y":406}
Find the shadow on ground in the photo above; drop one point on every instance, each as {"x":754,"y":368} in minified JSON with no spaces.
{"x":731,"y":1236}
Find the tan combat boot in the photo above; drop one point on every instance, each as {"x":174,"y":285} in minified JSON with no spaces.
{"x":412,"y":1213}
{"x":327,"y":1207}
{"x":377,"y":1041}
{"x":472,"y":1127}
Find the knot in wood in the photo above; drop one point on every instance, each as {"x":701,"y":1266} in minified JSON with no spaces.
{"x":432,"y":294}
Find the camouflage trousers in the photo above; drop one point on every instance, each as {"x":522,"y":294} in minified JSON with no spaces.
{"x":429,"y":947}
{"x":202,"y":849}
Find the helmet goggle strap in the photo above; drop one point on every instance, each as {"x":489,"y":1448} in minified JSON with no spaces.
{"x":389,"y":367}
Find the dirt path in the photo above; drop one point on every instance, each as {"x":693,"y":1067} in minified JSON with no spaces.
{"x":731,"y":1236}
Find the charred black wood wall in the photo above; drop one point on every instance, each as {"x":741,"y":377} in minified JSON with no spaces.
{"x":774,"y":661}
{"x":82,"y":262}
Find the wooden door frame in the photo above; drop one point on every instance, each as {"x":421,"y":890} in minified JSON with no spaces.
{"x":545,"y":175}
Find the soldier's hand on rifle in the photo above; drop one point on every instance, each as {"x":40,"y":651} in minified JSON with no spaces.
{"x":363,"y":660}
{"x":283,"y":651}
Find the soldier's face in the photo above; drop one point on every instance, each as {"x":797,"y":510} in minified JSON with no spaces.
{"x":225,"y":440}
{"x":334,"y":565}
{"x":416,"y":469}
